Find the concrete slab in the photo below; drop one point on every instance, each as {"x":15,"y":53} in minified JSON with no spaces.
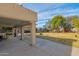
{"x":16,"y":47}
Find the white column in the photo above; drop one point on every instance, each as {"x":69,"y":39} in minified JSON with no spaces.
{"x":22,"y":33}
{"x":33,"y":31}
{"x":13,"y":31}
{"x":16,"y":32}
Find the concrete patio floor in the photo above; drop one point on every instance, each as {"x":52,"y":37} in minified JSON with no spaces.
{"x":16,"y":47}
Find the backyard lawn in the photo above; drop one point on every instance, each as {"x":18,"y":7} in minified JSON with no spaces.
{"x":71,"y":39}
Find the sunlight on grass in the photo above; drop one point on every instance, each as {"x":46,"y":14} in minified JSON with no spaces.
{"x":71,"y":39}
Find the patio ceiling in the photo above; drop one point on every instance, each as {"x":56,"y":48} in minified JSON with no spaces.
{"x":13,"y":22}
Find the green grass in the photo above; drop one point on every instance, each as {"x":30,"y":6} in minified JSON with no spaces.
{"x":70,"y":42}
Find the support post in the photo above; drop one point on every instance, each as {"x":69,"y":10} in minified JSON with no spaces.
{"x":33,"y":31}
{"x":22,"y":32}
{"x":16,"y":32}
{"x":13,"y":32}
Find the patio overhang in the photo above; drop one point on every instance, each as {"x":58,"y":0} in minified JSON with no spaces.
{"x":9,"y":22}
{"x":14,"y":15}
{"x":17,"y":12}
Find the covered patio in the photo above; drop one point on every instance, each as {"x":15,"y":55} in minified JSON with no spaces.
{"x":19,"y":18}
{"x":15,"y":47}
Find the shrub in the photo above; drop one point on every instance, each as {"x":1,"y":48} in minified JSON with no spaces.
{"x":41,"y":34}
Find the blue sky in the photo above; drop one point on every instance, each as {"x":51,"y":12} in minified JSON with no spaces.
{"x":47,"y":11}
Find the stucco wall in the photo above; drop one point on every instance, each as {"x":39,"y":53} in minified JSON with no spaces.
{"x":16,"y":11}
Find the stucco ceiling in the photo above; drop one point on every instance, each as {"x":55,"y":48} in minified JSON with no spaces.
{"x":13,"y":22}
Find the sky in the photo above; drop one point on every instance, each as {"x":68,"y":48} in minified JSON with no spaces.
{"x":46,"y":11}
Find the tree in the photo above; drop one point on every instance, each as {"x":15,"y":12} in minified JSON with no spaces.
{"x":57,"y":22}
{"x":67,"y":27}
{"x":75,"y":21}
{"x":48,"y":26}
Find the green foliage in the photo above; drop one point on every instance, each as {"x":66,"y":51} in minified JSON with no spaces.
{"x":40,"y":33}
{"x":58,"y":21}
{"x":75,"y":21}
